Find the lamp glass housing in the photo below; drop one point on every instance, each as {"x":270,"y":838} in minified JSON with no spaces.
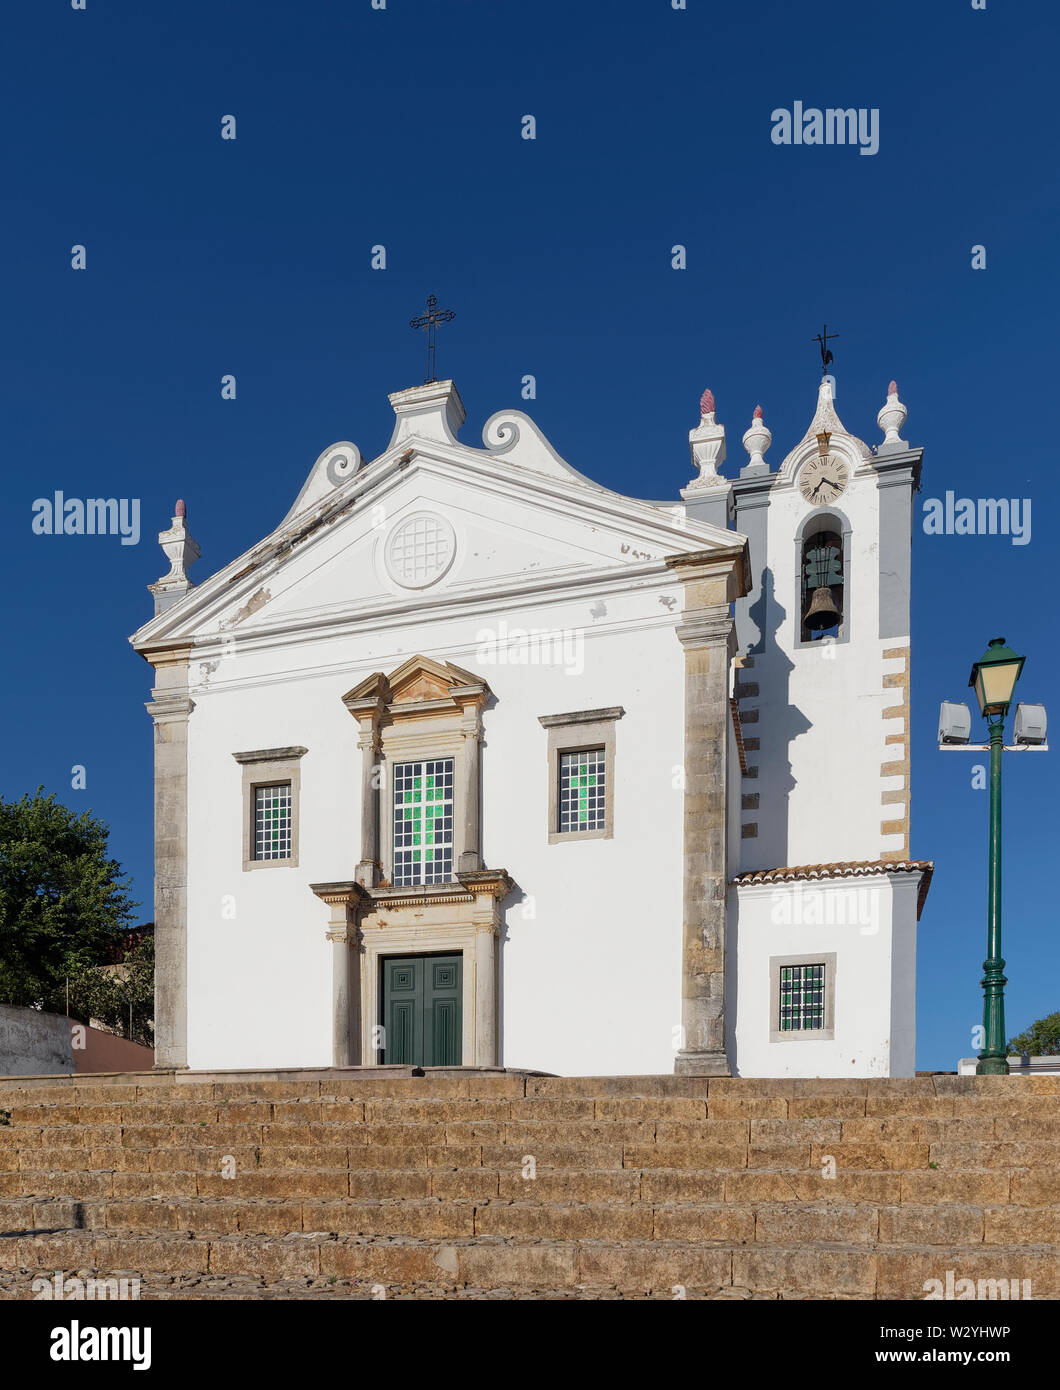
{"x":994,"y":677}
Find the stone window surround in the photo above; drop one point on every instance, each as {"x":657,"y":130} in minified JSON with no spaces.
{"x":825,"y":1034}
{"x":396,"y":731}
{"x":264,"y":767}
{"x":572,"y":733}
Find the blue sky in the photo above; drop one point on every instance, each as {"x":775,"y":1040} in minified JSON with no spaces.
{"x":402,"y":127}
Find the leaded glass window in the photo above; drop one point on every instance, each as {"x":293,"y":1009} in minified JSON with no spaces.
{"x":801,"y":998}
{"x":423,"y":822}
{"x":582,"y":778}
{"x":272,"y":821}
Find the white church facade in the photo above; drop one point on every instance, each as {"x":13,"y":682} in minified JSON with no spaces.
{"x":475,"y":762}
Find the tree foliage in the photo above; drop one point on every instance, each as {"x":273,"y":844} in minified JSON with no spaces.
{"x":63,"y":901}
{"x":1041,"y":1039}
{"x":122,"y":998}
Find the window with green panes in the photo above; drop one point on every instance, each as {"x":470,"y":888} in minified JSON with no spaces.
{"x":801,"y":998}
{"x":423,"y":822}
{"x":582,"y":803}
{"x":272,"y":821}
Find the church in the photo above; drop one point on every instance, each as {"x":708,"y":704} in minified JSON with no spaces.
{"x":475,"y":762}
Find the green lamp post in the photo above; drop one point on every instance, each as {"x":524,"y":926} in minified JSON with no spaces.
{"x":994,"y":678}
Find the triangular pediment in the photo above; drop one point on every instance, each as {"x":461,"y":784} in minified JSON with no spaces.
{"x":430,"y":524}
{"x":415,"y":681}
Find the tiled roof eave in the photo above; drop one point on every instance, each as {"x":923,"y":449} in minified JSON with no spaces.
{"x":865,"y":868}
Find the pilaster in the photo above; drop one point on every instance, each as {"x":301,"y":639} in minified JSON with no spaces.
{"x":346,"y":902}
{"x":707,"y":634}
{"x":171,"y":708}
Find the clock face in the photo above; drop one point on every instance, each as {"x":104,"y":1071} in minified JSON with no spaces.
{"x":823,"y":479}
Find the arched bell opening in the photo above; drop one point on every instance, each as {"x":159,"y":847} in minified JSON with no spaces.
{"x":822,"y":581}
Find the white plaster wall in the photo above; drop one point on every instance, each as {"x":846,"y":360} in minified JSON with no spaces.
{"x":591,"y":964}
{"x":873,"y":935}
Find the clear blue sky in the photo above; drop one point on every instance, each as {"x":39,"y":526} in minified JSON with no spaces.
{"x":402,"y":127}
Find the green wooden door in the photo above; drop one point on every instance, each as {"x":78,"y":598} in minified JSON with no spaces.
{"x":421,"y":1010}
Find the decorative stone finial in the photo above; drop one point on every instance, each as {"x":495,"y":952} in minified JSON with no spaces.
{"x":891,"y":419}
{"x":756,"y":441}
{"x":707,"y":443}
{"x":181,"y":550}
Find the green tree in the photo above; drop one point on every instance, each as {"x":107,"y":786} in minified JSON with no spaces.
{"x":1041,"y":1039}
{"x":122,"y":998}
{"x":63,"y":902}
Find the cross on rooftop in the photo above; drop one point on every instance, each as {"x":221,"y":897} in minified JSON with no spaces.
{"x":430,"y":320}
{"x":826,"y":355}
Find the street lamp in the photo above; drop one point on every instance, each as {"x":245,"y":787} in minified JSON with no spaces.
{"x":994,"y":678}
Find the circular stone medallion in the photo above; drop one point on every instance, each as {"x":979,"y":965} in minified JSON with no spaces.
{"x":420,"y":550}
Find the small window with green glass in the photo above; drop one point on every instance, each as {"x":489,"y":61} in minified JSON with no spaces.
{"x":802,"y":998}
{"x":582,"y":791}
{"x":272,"y":821}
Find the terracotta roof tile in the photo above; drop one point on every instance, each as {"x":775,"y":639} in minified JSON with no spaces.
{"x":859,"y":868}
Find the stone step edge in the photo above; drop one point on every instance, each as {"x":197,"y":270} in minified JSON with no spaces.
{"x":455,"y":1085}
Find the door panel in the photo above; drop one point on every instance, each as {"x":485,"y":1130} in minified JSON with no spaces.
{"x":421,"y":1010}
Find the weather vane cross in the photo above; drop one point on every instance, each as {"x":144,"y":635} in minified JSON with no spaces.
{"x":430,"y":321}
{"x":826,"y":356}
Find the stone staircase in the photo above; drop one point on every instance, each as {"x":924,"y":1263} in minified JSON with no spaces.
{"x":501,"y":1185}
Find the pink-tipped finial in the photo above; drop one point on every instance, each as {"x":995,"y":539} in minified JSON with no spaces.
{"x":706,"y":402}
{"x":892,"y":390}
{"x":180,"y":509}
{"x":758,"y":413}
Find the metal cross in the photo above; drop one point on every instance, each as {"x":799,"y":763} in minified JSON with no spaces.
{"x":429,"y":320}
{"x":826,"y":356}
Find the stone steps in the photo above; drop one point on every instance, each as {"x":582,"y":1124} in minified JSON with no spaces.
{"x":822,"y":1220}
{"x":822,"y":1269}
{"x":345,"y":1184}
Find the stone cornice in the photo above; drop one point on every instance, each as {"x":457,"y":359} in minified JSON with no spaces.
{"x":176,"y":654}
{"x":464,"y":889}
{"x":344,"y":893}
{"x":732,"y":560}
{"x":898,"y":467}
{"x":165,"y":709}
{"x":707,"y":627}
{"x":271,"y":755}
{"x":496,"y":882}
{"x":584,"y":716}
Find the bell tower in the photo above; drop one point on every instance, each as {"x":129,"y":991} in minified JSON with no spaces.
{"x":822,"y":685}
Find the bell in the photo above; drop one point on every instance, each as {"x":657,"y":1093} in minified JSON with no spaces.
{"x":822,"y":612}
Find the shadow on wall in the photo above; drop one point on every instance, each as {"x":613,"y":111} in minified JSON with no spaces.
{"x":33,"y":1043}
{"x":780,"y":724}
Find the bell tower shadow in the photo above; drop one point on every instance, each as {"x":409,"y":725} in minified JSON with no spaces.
{"x":777,"y":724}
